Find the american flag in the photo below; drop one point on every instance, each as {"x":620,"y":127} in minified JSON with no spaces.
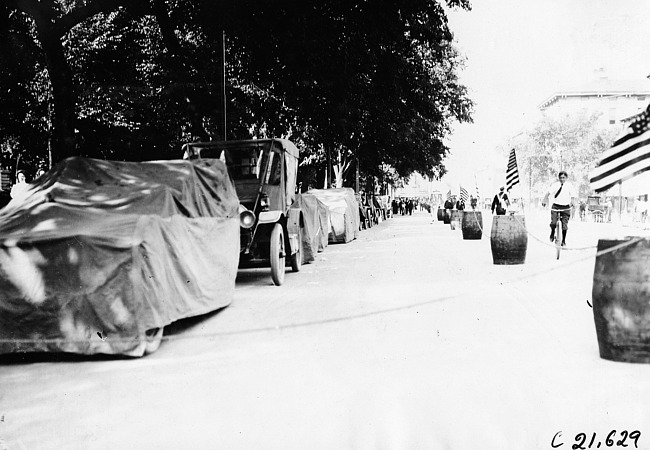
{"x":628,"y":156}
{"x":449,"y":195}
{"x":464,"y":196}
{"x":512,"y":173}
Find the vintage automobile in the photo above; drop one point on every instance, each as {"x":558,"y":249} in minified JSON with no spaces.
{"x":264,"y":172}
{"x":99,"y":256}
{"x":595,"y":208}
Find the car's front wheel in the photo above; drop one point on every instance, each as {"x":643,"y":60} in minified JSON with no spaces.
{"x":296,"y":258}
{"x":277,"y":255}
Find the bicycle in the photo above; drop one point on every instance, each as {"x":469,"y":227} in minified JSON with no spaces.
{"x":559,"y":231}
{"x":558,"y":238}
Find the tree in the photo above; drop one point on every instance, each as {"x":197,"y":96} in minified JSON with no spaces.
{"x":373,"y":82}
{"x":571,"y":143}
{"x":23,"y":94}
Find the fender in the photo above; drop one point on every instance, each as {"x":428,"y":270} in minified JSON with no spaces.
{"x":269,"y":217}
{"x":294,"y":220}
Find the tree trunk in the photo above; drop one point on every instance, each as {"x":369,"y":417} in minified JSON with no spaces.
{"x":63,"y":96}
{"x":50,"y":29}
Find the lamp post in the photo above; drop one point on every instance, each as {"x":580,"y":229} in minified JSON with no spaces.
{"x":530,"y":159}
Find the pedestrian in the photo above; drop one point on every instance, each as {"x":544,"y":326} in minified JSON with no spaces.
{"x":560,"y":195}
{"x":643,"y":208}
{"x":473,"y":201}
{"x":608,"y":209}
{"x":500,"y":203}
{"x":460,"y":204}
{"x":19,"y":189}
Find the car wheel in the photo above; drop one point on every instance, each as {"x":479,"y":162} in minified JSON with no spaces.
{"x":296,"y":258}
{"x":277,"y":254}
{"x":153,"y":339}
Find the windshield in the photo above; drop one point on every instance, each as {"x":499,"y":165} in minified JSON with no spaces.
{"x":243,"y":163}
{"x":249,"y":164}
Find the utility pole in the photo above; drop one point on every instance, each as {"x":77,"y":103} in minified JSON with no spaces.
{"x":530,"y":181}
{"x":222,"y":86}
{"x":223,"y":57}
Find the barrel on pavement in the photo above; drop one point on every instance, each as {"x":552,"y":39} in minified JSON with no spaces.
{"x":621,"y":299}
{"x":472,"y":225}
{"x":509,"y":239}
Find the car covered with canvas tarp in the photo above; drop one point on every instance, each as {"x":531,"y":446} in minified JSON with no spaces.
{"x":344,"y":213}
{"x":315,"y":218}
{"x":99,"y":256}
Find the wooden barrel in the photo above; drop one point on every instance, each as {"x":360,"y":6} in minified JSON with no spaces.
{"x":621,"y":300}
{"x":472,"y":225}
{"x":441,"y":214}
{"x":447,"y":217}
{"x":455,"y":220}
{"x":509,"y":239}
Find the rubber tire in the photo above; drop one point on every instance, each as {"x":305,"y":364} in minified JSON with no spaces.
{"x":153,"y":340}
{"x":296,"y":258}
{"x":558,"y":238}
{"x":277,"y":255}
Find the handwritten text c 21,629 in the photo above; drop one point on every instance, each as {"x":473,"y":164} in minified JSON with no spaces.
{"x":584,"y":442}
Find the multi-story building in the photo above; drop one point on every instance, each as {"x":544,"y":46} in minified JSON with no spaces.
{"x":616,"y":100}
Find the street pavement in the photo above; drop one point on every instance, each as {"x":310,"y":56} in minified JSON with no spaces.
{"x":407,"y":338}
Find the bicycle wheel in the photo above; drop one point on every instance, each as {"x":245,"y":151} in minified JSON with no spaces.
{"x":558,"y":238}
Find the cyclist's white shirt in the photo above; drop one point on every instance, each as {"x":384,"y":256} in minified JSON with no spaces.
{"x":565,"y":196}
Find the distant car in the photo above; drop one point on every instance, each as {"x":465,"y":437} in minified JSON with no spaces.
{"x":344,"y":213}
{"x":264,"y":172}
{"x":595,"y":208}
{"x":99,"y":256}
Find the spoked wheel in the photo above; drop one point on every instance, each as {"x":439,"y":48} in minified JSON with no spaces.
{"x":153,"y":340}
{"x":296,"y":258}
{"x":277,"y":255}
{"x":558,"y":239}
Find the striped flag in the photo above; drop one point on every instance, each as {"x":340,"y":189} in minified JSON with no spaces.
{"x":449,"y":195}
{"x":628,"y":156}
{"x":512,"y":174}
{"x":464,"y":196}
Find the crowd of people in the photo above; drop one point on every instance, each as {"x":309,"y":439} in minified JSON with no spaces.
{"x":404,"y":206}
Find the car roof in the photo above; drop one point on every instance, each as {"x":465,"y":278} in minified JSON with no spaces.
{"x":289,"y":147}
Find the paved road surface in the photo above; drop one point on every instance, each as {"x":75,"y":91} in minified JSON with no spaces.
{"x":407,"y":338}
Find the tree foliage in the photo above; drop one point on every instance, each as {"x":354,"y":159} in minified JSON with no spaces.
{"x":572,"y":143}
{"x":369,"y":81}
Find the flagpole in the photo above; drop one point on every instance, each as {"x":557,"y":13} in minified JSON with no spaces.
{"x":620,"y":201}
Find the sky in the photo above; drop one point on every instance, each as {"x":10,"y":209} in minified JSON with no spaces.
{"x":518,"y":53}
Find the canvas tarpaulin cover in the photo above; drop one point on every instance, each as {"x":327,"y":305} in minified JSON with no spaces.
{"x":315,"y":227}
{"x":98,"y":252}
{"x":344,"y":213}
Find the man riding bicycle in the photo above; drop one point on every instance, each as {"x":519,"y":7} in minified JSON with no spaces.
{"x":561,"y":204}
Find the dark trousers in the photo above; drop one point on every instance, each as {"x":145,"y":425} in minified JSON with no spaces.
{"x":564,"y":214}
